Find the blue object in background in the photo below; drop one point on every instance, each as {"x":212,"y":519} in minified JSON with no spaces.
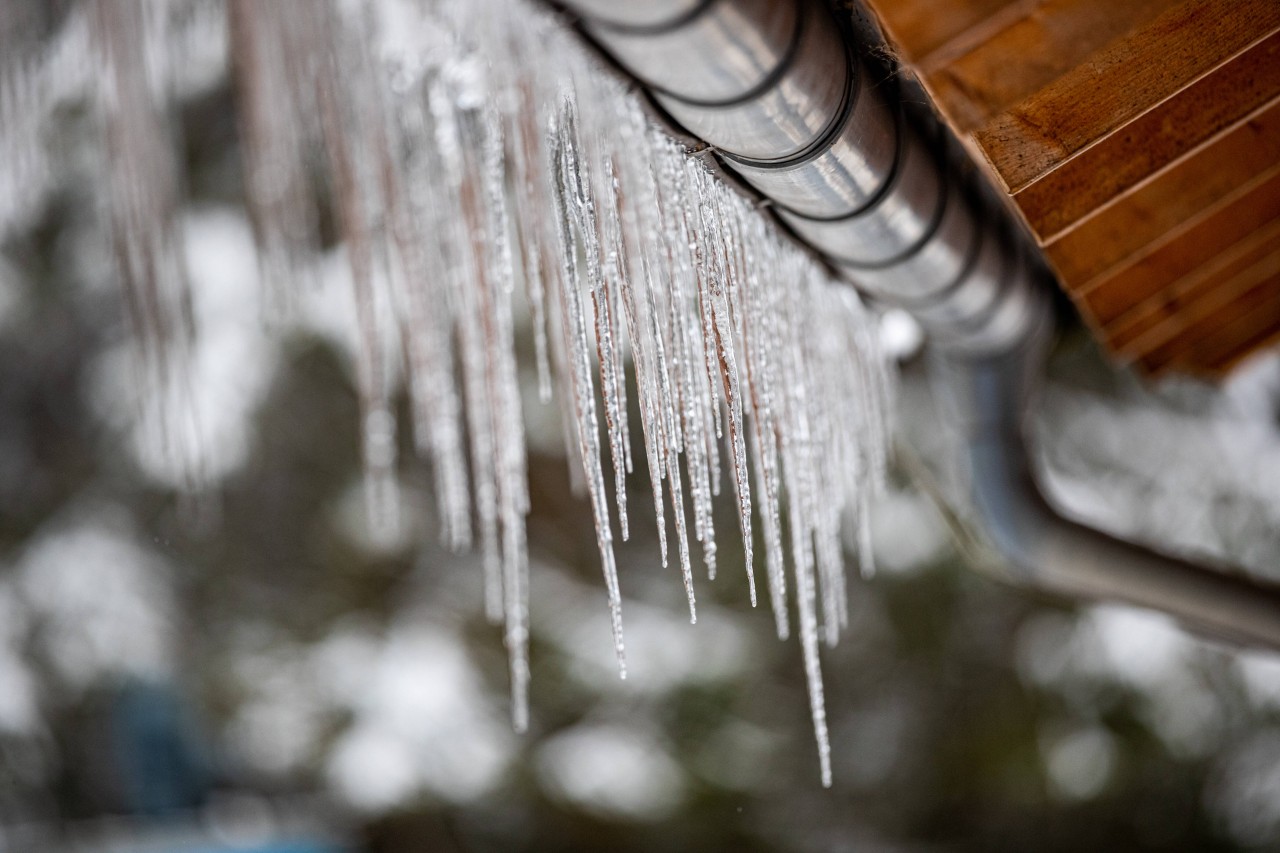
{"x":158,"y":754}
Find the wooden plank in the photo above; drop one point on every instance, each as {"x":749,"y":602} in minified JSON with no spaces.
{"x":1255,"y":313}
{"x":1249,"y":329}
{"x":1132,"y":221}
{"x":1241,"y":354}
{"x":1152,"y":141}
{"x":1120,"y":82}
{"x":1028,"y":53}
{"x":921,"y":27}
{"x":1203,"y":301}
{"x":1184,"y":248}
{"x":1251,"y":312}
{"x":1183,"y":300}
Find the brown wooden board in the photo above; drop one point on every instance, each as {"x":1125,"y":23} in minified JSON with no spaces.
{"x":1183,"y":249}
{"x":1255,"y":311}
{"x":1184,"y":301}
{"x":1140,"y":142}
{"x":1202,"y":303}
{"x":920,"y":27}
{"x":1121,"y":82}
{"x":1244,"y":350}
{"x":1152,"y":141}
{"x":1130,"y":222}
{"x":1032,"y":51}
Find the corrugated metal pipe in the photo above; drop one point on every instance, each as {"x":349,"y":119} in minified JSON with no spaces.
{"x":780,"y":92}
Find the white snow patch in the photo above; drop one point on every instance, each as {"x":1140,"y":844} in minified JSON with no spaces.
{"x":611,"y":771}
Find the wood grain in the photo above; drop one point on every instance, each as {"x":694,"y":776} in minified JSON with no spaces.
{"x":1132,"y":221}
{"x":1242,"y":352}
{"x":1152,"y":141}
{"x":1204,"y":302}
{"x":1031,"y":51}
{"x":1184,"y":301}
{"x":1121,"y":82}
{"x":1183,"y":249}
{"x":921,"y":27}
{"x":1140,"y":142}
{"x":1252,"y":313}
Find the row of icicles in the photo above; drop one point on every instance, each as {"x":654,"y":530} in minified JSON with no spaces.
{"x":469,"y":149}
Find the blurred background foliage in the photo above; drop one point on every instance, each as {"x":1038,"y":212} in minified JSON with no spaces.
{"x":304,"y":674}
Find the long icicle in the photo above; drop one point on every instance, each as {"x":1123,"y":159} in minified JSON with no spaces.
{"x":444,"y":134}
{"x":576,"y":223}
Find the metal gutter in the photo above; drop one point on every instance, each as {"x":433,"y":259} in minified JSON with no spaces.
{"x":777,"y":89}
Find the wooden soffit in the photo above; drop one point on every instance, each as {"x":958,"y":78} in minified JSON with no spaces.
{"x":1140,"y":141}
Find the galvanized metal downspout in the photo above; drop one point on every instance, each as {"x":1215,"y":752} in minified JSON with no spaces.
{"x":989,"y":396}
{"x":776,"y":88}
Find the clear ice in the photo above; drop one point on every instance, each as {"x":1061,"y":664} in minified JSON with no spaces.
{"x":470,"y":148}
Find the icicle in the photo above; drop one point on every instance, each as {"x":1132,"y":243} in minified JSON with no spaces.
{"x":830,"y":575}
{"x":722,"y":333}
{"x":866,"y":556}
{"x":526,"y":147}
{"x":758,"y":317}
{"x":39,"y":71}
{"x":665,"y":425}
{"x":504,"y":391}
{"x":575,"y":222}
{"x":443,"y":138}
{"x":275,"y":56}
{"x":642,"y":335}
{"x":813,"y":668}
{"x":609,"y":338}
{"x":698,"y":408}
{"x":649,"y":393}
{"x":765,"y":464}
{"x":351,"y":125}
{"x":610,"y":384}
{"x":618,"y":263}
{"x":142,"y":190}
{"x":419,"y":278}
